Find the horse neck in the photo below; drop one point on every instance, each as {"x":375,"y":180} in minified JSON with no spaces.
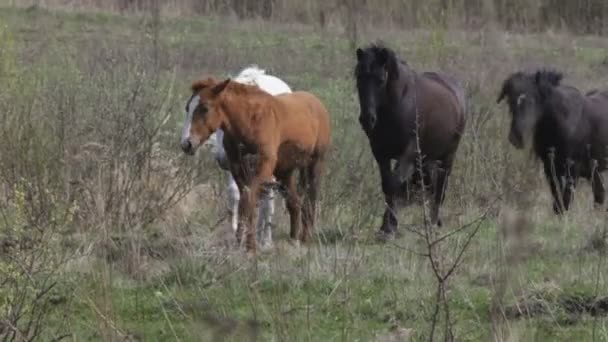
{"x":237,"y":115}
{"x":560,"y":118}
{"x":565,"y":106}
{"x":402,"y":83}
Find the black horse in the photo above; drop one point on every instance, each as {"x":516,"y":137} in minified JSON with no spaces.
{"x":569,"y":130}
{"x":408,"y":117}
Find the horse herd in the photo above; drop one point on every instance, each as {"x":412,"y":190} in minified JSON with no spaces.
{"x":265,"y":135}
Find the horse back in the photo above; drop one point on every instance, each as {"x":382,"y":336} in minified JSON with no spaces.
{"x":302,"y":117}
{"x":441,"y":103}
{"x":452,"y":85}
{"x":596,"y":110}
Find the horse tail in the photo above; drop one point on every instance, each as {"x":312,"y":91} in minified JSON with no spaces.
{"x":250,"y":74}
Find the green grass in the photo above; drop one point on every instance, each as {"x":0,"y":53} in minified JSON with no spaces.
{"x":345,"y":287}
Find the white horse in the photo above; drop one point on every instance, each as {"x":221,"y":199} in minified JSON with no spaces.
{"x":251,"y":75}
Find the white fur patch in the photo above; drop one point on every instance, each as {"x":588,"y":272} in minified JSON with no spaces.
{"x":256,"y":76}
{"x":188,"y":123}
{"x":520,"y":99}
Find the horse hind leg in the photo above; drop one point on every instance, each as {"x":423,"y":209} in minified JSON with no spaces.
{"x":292,"y":202}
{"x":439,"y":181}
{"x":311,"y":180}
{"x":599,"y":192}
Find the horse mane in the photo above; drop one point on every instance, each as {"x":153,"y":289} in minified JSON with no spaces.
{"x":201,"y":84}
{"x":379,"y":50}
{"x":548,"y":76}
{"x":544,"y":76}
{"x":246,"y":89}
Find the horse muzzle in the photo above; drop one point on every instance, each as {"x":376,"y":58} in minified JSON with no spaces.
{"x":187,"y":147}
{"x":368,"y":122}
{"x":516,"y":140}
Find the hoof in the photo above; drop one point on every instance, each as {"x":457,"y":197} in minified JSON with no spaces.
{"x":252,"y":253}
{"x":558,"y":210}
{"x":266,"y":245}
{"x":383,"y":236}
{"x":294,"y":243}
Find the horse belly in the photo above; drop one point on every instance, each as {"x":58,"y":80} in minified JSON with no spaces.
{"x":292,"y":156}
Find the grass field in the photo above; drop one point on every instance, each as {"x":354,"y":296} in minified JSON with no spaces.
{"x":108,"y":232}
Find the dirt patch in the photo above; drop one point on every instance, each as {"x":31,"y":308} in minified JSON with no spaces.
{"x":539,"y":304}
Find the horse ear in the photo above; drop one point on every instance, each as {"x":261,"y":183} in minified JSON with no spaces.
{"x":501,"y":96}
{"x":543,"y":84}
{"x":217,"y":89}
{"x":383,"y":56}
{"x":538,"y":78}
{"x":359,"y":54}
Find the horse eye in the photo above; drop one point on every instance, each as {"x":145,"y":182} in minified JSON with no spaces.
{"x":201,"y":109}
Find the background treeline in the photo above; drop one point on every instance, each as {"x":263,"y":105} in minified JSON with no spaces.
{"x":578,"y":16}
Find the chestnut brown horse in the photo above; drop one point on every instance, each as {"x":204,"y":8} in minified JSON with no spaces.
{"x":287,"y":133}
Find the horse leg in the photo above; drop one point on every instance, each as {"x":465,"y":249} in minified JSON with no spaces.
{"x":241,"y":204}
{"x":265,"y":215}
{"x":236,"y":197}
{"x":312,"y":184}
{"x":554,"y":177}
{"x":439,"y":179}
{"x":389,"y":188}
{"x":599,"y":192}
{"x":236,"y":185}
{"x":233,"y":201}
{"x":406,"y":164}
{"x":250,"y":194}
{"x":292,"y":202}
{"x":571,"y":179}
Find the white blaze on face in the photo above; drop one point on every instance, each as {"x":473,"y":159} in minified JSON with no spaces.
{"x":520,"y":99}
{"x":188,"y":123}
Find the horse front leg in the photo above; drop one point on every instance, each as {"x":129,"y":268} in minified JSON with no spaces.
{"x":238,"y":201}
{"x":597,"y":185}
{"x":265,"y":216}
{"x":556,"y":184}
{"x":571,"y":178}
{"x":249,"y":197}
{"x":439,"y":182}
{"x":237,"y":183}
{"x":390,"y":185}
{"x":233,"y":202}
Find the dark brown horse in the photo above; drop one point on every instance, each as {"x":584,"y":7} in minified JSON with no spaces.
{"x":408,"y":117}
{"x":287,"y":133}
{"x":569,"y":131}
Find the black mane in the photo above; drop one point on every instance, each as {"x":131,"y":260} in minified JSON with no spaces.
{"x":380,"y":53}
{"x":537,"y":80}
{"x":549,"y":76}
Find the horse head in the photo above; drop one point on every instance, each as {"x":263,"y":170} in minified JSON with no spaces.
{"x":525,"y":95}
{"x":376,"y":67}
{"x":203,"y":115}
